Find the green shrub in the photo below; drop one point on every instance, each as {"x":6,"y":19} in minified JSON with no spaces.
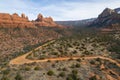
{"x":62,"y":74}
{"x":79,"y":60}
{"x":27,"y":68}
{"x":72,"y":66}
{"x":53,"y":65}
{"x":37,"y":68}
{"x":18,"y":77}
{"x":93,"y":78}
{"x":73,"y":75}
{"x":69,"y":78}
{"x":4,"y":78}
{"x":50,"y":73}
{"x":98,"y":59}
{"x":49,"y":61}
{"x":92,"y":62}
{"x":74,"y":52}
{"x":42,"y":57}
{"x":64,"y":69}
{"x":6,"y":72}
{"x":74,"y":71}
{"x":87,"y":53}
{"x":77,"y":65}
{"x":54,"y":53}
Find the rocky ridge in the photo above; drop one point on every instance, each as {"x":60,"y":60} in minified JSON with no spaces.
{"x":108,"y":18}
{"x":76,"y":23}
{"x":14,"y":20}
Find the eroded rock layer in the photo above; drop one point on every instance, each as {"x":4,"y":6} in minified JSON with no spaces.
{"x":48,"y":21}
{"x":14,"y":20}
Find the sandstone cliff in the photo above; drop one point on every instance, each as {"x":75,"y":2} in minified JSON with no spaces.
{"x":48,"y":21}
{"x":14,"y":20}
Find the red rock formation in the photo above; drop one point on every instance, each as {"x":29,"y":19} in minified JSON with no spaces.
{"x":48,"y":22}
{"x":7,"y":20}
{"x":14,"y":20}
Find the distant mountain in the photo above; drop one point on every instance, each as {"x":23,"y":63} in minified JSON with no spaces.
{"x":109,"y":18}
{"x":76,"y":23}
{"x":117,"y":10}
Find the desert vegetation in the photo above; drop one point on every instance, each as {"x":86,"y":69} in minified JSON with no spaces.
{"x":79,"y":45}
{"x":61,"y":70}
{"x":83,"y":43}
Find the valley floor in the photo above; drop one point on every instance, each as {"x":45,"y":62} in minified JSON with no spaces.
{"x":67,"y":58}
{"x":21,"y":60}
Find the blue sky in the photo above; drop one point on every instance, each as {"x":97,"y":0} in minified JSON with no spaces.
{"x":58,"y":9}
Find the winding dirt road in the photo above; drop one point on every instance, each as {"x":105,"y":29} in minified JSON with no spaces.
{"x":22,"y":59}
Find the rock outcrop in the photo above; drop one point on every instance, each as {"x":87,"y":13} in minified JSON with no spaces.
{"x":39,"y":17}
{"x":108,"y":18}
{"x":106,"y":12}
{"x":14,"y":20}
{"x":48,"y":21}
{"x":117,"y":10}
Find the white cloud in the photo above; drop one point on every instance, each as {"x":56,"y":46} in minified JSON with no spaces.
{"x":73,"y":11}
{"x":63,"y":11}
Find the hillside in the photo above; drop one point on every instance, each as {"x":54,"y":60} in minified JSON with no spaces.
{"x":16,"y":41}
{"x":18,"y":34}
